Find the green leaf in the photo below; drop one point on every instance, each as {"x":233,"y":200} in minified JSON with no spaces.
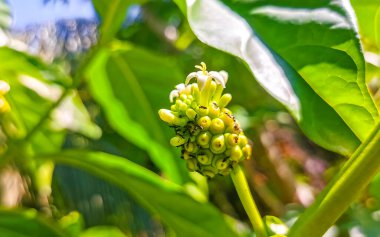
{"x":112,"y":14}
{"x":368,"y":14}
{"x":26,"y":224}
{"x":185,"y":215}
{"x":127,"y":92}
{"x":102,"y":231}
{"x":304,"y":53}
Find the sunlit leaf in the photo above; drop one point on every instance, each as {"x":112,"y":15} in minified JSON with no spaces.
{"x":368,"y":16}
{"x":102,"y":231}
{"x":305,"y":53}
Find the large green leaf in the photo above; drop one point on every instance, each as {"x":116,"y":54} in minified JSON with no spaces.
{"x":305,"y":53}
{"x":185,"y":215}
{"x":15,"y":223}
{"x":127,"y":92}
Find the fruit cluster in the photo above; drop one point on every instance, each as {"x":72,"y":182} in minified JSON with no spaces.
{"x":209,"y":136}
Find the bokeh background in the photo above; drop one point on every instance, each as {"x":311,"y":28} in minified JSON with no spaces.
{"x":287,"y":170}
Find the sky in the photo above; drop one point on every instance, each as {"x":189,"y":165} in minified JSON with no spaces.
{"x":25,"y":12}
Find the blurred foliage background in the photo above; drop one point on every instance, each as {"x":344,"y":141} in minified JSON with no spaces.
{"x":75,"y":88}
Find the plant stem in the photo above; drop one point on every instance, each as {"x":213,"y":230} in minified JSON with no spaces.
{"x":344,"y":189}
{"x":249,"y":204}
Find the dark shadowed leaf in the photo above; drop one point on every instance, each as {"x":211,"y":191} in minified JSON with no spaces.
{"x":185,"y":215}
{"x":26,"y":224}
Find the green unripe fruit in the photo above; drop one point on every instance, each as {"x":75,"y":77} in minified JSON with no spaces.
{"x":225,"y":172}
{"x":205,"y":157}
{"x":236,"y":153}
{"x":192,"y":164}
{"x":191,"y":147}
{"x":232,"y":140}
{"x":209,"y":171}
{"x":214,"y":110}
{"x":247,"y":151}
{"x":203,"y":139}
{"x":227,"y":119}
{"x":218,"y":145}
{"x":243,"y":140}
{"x":234,"y":128}
{"x":204,"y":122}
{"x":202,"y":111}
{"x":220,"y":162}
{"x":217,"y":126}
{"x":177,"y":141}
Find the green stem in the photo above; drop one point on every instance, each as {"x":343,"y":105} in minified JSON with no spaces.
{"x":249,"y":205}
{"x":344,"y":189}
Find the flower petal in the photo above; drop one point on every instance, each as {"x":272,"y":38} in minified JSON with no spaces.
{"x":191,"y":76}
{"x":172,"y":95}
{"x":219,"y":79}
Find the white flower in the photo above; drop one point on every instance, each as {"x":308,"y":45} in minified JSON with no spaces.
{"x":176,"y":92}
{"x":203,"y":76}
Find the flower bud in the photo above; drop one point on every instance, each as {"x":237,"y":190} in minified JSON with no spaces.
{"x":224,"y":100}
{"x":204,"y":122}
{"x":177,"y":141}
{"x":203,"y":139}
{"x":183,"y":97}
{"x":218,"y":145}
{"x":217,"y":126}
{"x":227,"y":119}
{"x":195,"y":91}
{"x":180,"y":105}
{"x":166,"y":116}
